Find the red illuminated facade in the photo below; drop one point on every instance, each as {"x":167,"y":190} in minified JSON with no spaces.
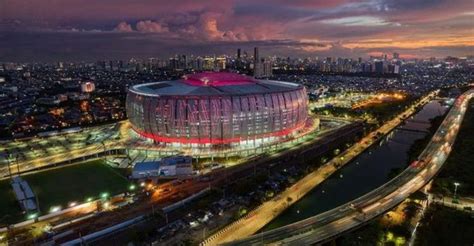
{"x":216,"y":108}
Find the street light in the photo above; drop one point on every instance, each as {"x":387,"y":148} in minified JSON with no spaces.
{"x":54,"y":209}
{"x":456,"y":184}
{"x":32,"y":216}
{"x":104,"y":195}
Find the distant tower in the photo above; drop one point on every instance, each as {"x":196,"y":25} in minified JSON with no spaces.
{"x":257,"y":64}
{"x":379,"y":67}
{"x":238,"y":54}
{"x":255,"y":54}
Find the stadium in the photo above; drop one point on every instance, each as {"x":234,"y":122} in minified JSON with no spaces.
{"x":217,"y":110}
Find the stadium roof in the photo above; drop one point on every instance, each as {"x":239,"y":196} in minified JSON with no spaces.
{"x":213,"y":84}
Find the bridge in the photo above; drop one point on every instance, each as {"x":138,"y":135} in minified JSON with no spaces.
{"x":411,"y":130}
{"x":418,"y":121}
{"x":329,"y":225}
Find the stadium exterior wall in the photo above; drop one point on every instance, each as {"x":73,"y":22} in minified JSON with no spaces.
{"x":217,"y":119}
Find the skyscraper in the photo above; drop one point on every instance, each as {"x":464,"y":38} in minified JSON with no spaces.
{"x":379,"y":66}
{"x":238,"y":62}
{"x":256,"y":57}
{"x":257,"y":64}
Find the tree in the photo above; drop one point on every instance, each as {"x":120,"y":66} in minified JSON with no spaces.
{"x":411,"y":208}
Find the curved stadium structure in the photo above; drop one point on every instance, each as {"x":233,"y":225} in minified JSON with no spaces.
{"x":209,"y":109}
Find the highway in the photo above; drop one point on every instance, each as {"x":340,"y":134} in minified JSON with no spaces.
{"x":330,"y":224}
{"x":263,"y":214}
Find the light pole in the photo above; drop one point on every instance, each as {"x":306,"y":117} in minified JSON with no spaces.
{"x":456,"y":184}
{"x":105,"y":150}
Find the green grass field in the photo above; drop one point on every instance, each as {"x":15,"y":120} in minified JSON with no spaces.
{"x":59,"y":187}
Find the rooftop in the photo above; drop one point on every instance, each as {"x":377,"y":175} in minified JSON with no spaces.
{"x":212,"y":84}
{"x":146,"y":166}
{"x":217,"y":79}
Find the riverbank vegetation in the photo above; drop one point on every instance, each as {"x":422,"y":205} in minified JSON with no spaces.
{"x":445,"y":226}
{"x":393,"y":228}
{"x":459,"y":166}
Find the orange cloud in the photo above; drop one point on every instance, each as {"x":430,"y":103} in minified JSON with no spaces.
{"x":412,"y":44}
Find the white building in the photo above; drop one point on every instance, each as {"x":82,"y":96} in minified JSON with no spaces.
{"x":87,"y":87}
{"x":173,"y":166}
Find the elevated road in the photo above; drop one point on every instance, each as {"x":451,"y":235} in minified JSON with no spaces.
{"x":330,"y":224}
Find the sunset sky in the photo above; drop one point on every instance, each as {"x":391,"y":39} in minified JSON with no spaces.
{"x":50,"y":30}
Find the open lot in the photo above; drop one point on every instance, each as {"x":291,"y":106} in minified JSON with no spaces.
{"x":75,"y":183}
{"x":60,"y":186}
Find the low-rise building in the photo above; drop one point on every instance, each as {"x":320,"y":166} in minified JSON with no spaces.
{"x":173,"y":166}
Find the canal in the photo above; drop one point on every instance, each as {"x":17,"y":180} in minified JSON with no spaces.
{"x":366,"y":172}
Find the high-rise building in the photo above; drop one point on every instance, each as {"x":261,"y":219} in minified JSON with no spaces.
{"x":238,"y":62}
{"x":396,"y":69}
{"x":219,"y":64}
{"x":257,"y":64}
{"x":379,"y":66}
{"x":255,"y":55}
{"x":208,"y":63}
{"x":267,"y":69}
{"x":173,"y":63}
{"x":183,"y":62}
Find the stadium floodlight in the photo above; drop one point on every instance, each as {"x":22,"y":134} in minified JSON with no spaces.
{"x":104,"y":195}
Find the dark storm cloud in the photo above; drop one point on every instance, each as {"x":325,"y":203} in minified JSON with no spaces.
{"x":88,"y":30}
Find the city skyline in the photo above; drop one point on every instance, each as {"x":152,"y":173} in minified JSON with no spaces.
{"x":77,"y":30}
